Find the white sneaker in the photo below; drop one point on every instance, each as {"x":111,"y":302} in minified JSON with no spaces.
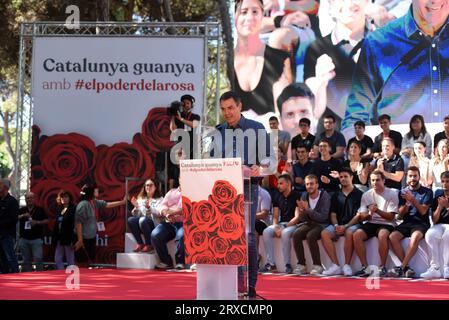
{"x":431,"y":273}
{"x":347,"y":270}
{"x":333,"y":270}
{"x":316,"y":269}
{"x":446,"y":273}
{"x":193,"y":267}
{"x":300,"y":269}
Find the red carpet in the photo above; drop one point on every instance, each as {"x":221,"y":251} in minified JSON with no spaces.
{"x":119,"y":284}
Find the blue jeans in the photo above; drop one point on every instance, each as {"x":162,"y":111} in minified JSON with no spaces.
{"x":31,"y":249}
{"x":251,"y":191}
{"x":8,"y":258}
{"x":139,"y":225}
{"x":162,"y":234}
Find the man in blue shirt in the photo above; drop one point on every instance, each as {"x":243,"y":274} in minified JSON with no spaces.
{"x":418,"y":86}
{"x":247,"y":139}
{"x":414,"y":205}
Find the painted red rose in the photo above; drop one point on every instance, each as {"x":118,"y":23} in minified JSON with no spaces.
{"x":223,"y":194}
{"x":205,"y":215}
{"x":186,"y":209}
{"x":67,"y":157}
{"x":117,"y":162}
{"x":205,"y":257}
{"x":46,"y":192}
{"x":239,"y":206}
{"x":219,"y":246}
{"x":195,"y":240}
{"x":231,"y":226}
{"x":236,"y":256}
{"x":156,"y":130}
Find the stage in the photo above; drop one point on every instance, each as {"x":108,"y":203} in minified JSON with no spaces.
{"x":129,"y":284}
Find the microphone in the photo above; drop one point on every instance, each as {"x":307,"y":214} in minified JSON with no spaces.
{"x":405,"y":59}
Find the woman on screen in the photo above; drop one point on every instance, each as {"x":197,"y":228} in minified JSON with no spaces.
{"x":261,"y":72}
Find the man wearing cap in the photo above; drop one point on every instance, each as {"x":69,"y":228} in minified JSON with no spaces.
{"x":186,"y":119}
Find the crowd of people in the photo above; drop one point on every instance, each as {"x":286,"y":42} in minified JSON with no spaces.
{"x":390,"y":187}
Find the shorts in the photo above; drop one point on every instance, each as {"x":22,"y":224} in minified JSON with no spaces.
{"x":372,"y":229}
{"x":406,"y":229}
{"x":331,"y":230}
{"x":260,"y":226}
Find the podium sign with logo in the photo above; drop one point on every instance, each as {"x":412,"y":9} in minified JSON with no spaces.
{"x":214,"y":224}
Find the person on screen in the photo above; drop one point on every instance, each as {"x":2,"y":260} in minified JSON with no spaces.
{"x":330,"y":61}
{"x":405,"y":66}
{"x":261,"y":72}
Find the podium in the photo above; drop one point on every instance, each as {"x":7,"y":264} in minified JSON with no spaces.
{"x":215,"y":230}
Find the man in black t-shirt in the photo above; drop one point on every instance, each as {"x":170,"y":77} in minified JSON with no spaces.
{"x":284,"y":223}
{"x":32,"y":220}
{"x":304,"y":138}
{"x":326,"y":168}
{"x":443,"y":134}
{"x":9,"y":208}
{"x":384,"y":123}
{"x":186,"y":120}
{"x":366,"y":142}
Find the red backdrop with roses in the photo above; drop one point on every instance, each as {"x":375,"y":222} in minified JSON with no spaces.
{"x":68,"y":161}
{"x":214,"y":229}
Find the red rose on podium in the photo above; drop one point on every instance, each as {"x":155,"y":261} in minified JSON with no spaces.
{"x":231,"y":227}
{"x":204,"y":215}
{"x":236,"y":256}
{"x":196,"y":240}
{"x":239,"y":206}
{"x":223,"y":194}
{"x":186,"y":209}
{"x":219,"y":246}
{"x":206,"y":257}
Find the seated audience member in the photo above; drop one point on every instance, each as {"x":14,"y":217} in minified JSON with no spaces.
{"x":414,"y":204}
{"x":443,"y":134}
{"x":263,"y":213}
{"x":417,"y":132}
{"x":170,"y":228}
{"x":378,"y":208}
{"x":302,"y":168}
{"x":391,"y":165}
{"x":87,"y":223}
{"x":344,"y":222}
{"x":313,"y":210}
{"x":146,"y":209}
{"x":440,"y":163}
{"x":437,"y":237}
{"x":366,"y":142}
{"x":360,"y":169}
{"x":284,"y":223}
{"x":283,"y":137}
{"x":32,"y":220}
{"x":296,"y":102}
{"x":337,"y":142}
{"x":282,"y":168}
{"x":419,"y":159}
{"x":384,"y":123}
{"x":63,"y":231}
{"x":326,"y":168}
{"x":304,"y":137}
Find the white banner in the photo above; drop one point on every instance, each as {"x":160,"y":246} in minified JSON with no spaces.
{"x":104,"y":87}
